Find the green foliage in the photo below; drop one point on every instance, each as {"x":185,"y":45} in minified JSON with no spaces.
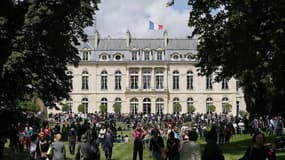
{"x":227,"y":107}
{"x":38,"y":40}
{"x":81,"y":108}
{"x":245,"y":40}
{"x":191,"y":109}
{"x":211,"y":108}
{"x":176,"y":107}
{"x":243,"y":113}
{"x":103,"y":108}
{"x":65,"y":108}
{"x":117,"y":107}
{"x":28,"y":106}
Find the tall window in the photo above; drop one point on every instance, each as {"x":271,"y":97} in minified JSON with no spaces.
{"x":147,"y":55}
{"x":134,"y":79}
{"x":146,"y":106}
{"x":225,"y":84}
{"x":118,"y":79}
{"x":159,"y":104}
{"x":84,"y":80}
{"x":175,"y":102}
{"x":146,"y":79}
{"x":175,"y":80}
{"x":225,"y":101}
{"x":84,"y":102}
{"x":69,"y":104}
{"x":190,"y":101}
{"x":134,"y":55}
{"x":159,"y":55}
{"x":209,"y":82}
{"x":189,"y":80}
{"x":237,"y":85}
{"x":104,"y":80}
{"x":209,"y":101}
{"x":159,"y":79}
{"x":104,"y":101}
{"x":85,"y":55}
{"x":134,"y":106}
{"x":70,"y":79}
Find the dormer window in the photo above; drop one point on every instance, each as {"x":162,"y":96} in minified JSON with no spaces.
{"x":103,"y":57}
{"x":85,"y":55}
{"x":118,"y":57}
{"x":190,"y":57}
{"x":175,"y":57}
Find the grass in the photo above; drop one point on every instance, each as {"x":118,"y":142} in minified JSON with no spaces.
{"x":124,"y":151}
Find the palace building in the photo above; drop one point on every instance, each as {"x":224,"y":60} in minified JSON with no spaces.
{"x":146,"y":75}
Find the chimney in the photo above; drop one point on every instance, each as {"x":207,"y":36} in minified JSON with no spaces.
{"x":129,"y":37}
{"x":96,"y":39}
{"x":165,"y":36}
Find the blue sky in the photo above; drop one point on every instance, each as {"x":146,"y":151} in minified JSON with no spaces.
{"x":115,"y":17}
{"x":181,"y":5}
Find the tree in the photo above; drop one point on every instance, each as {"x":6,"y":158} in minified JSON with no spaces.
{"x":191,"y":109}
{"x":28,"y":106}
{"x":243,"y":113}
{"x":244,"y":40}
{"x":81,"y":108}
{"x":38,"y":39}
{"x":65,"y":108}
{"x":176,"y":107}
{"x":117,"y":107}
{"x":103,"y":108}
{"x":227,"y":107}
{"x":211,"y":108}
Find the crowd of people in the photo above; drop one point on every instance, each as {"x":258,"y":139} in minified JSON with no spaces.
{"x":170,"y":136}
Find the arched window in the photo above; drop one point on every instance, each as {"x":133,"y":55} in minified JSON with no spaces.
{"x":175,"y":56}
{"x":146,"y":106}
{"x":104,"y":57}
{"x":118,"y":80}
{"x":176,"y":105}
{"x":118,"y":57}
{"x":70,"y":79}
{"x":134,"y":105}
{"x":104,"y":101}
{"x":175,"y":80}
{"x":209,"y":101}
{"x":118,"y":100}
{"x":84,"y":102}
{"x":84,"y":80}
{"x":159,"y":106}
{"x":189,"y":80}
{"x":104,"y":80}
{"x":190,"y":101}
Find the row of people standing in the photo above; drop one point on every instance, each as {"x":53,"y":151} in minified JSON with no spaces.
{"x":189,"y":149}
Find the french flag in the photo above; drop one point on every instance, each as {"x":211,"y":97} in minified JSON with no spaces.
{"x":153,"y":26}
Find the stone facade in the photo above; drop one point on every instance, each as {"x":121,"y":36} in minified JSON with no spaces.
{"x":146,"y":75}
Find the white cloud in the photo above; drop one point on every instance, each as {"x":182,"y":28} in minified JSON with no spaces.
{"x":115,"y":17}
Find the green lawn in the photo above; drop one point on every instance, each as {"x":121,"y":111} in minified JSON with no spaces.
{"x":124,"y":151}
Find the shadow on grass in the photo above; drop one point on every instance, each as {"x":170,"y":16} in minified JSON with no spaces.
{"x":239,"y":144}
